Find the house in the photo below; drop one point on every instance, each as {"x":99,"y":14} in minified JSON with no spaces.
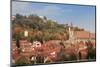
{"x":13,"y":17}
{"x":36,"y":44}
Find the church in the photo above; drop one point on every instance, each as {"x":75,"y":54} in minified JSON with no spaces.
{"x":77,"y":36}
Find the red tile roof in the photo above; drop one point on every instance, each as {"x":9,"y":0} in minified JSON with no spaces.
{"x":84,"y":34}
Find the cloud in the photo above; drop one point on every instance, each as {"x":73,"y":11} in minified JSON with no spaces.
{"x":27,"y":8}
{"x":19,"y":7}
{"x":42,"y":9}
{"x":48,"y":10}
{"x":80,"y":16}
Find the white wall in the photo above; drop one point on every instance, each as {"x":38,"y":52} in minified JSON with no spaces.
{"x":5,"y":33}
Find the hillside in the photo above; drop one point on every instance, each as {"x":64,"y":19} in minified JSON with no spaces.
{"x":39,"y":28}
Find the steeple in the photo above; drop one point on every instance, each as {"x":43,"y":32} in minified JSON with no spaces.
{"x":71,"y":33}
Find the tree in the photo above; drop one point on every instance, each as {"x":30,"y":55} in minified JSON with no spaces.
{"x":22,"y":61}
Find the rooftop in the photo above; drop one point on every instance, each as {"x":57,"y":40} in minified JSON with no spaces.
{"x":84,"y":34}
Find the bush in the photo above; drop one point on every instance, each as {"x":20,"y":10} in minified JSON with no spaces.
{"x":22,"y":61}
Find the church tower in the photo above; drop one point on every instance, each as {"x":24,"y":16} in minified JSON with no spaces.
{"x":71,"y":34}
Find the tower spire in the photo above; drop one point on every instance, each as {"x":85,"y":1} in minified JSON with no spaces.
{"x":71,"y":33}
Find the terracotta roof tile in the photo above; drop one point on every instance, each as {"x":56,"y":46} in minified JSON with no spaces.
{"x":84,"y":34}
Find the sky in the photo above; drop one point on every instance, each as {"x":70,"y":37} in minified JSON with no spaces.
{"x":78,"y":15}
